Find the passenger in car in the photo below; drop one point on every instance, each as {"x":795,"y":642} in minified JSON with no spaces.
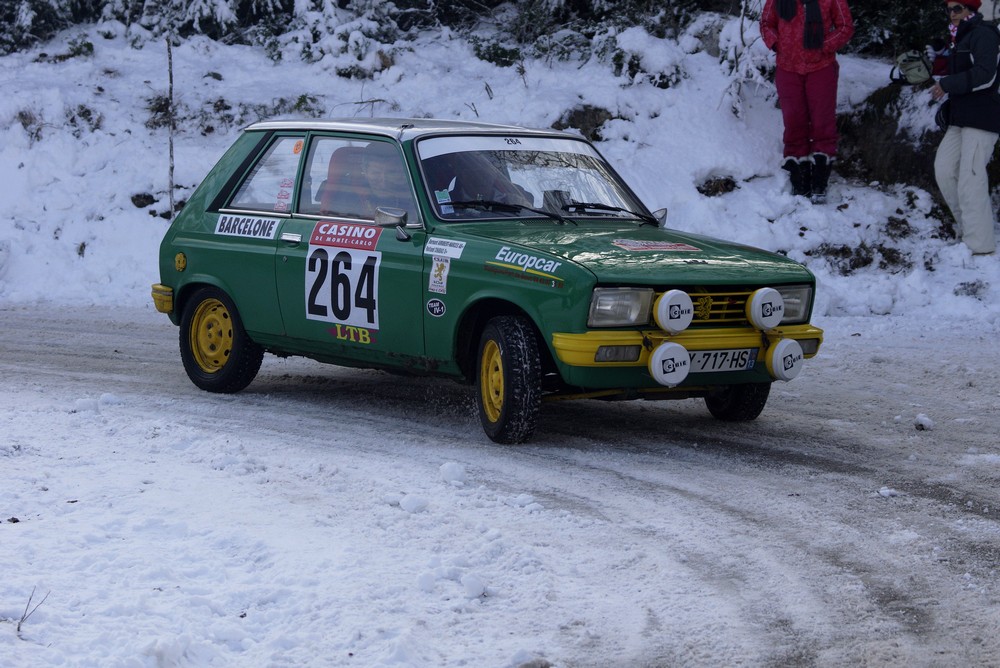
{"x":385,"y":177}
{"x":339,"y":194}
{"x":360,"y":179}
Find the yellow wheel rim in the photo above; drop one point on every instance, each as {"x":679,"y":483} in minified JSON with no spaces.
{"x":211,"y":335}
{"x":491,"y":380}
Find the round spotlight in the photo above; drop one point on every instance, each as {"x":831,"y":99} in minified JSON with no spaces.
{"x":669,"y":364}
{"x":784,"y":359}
{"x":673,"y":311}
{"x":765,"y":308}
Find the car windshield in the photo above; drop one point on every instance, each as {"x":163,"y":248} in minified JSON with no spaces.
{"x":477,"y":177}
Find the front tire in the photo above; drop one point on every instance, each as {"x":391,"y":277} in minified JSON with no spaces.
{"x":508,"y":379}
{"x":217,"y":352}
{"x":738,"y":403}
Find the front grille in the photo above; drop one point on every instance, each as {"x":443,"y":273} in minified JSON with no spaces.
{"x":719,"y":308}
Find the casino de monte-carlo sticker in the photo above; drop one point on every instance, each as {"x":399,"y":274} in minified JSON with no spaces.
{"x":246,"y":226}
{"x":635,"y":245}
{"x":342,"y":273}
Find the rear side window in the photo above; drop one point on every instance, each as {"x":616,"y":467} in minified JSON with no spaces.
{"x":271,"y":182}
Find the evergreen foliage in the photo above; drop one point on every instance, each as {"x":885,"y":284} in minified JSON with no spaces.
{"x":891,"y":27}
{"x":552,"y":28}
{"x":24,"y":22}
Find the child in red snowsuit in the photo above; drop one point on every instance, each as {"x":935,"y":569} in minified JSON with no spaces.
{"x":805,"y":36}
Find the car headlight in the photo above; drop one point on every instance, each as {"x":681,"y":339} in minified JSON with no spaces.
{"x":619,"y":307}
{"x":798,"y":303}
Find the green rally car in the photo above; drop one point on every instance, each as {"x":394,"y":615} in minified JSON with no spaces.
{"x":516,"y":260}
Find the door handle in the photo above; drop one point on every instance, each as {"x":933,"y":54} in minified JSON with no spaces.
{"x":291,"y":237}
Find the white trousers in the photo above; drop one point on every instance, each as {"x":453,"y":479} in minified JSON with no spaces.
{"x":960,"y":170}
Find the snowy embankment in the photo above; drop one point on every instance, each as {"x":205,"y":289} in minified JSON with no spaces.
{"x":86,"y":179}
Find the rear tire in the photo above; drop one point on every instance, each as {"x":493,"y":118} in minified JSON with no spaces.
{"x":508,"y":379}
{"x":738,"y":403}
{"x":217,"y":352}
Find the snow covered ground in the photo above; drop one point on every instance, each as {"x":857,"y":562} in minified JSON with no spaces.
{"x":336,"y":517}
{"x":340,"y":517}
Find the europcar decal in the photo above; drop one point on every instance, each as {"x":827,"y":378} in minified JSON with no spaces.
{"x":444,"y":247}
{"x":635,"y":245}
{"x":524,"y":266}
{"x":438,"y":281}
{"x":246,"y":226}
{"x":341,"y":281}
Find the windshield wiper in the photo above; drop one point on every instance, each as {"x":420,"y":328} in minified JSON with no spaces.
{"x":508,"y":207}
{"x":597,"y":206}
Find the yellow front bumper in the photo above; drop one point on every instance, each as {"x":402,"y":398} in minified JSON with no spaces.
{"x":581,"y":349}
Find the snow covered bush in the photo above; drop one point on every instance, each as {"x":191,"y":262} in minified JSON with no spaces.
{"x":644,"y":58}
{"x":560,"y":29}
{"x":743,"y":54}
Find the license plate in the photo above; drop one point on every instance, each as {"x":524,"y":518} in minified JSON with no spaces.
{"x":738,"y":359}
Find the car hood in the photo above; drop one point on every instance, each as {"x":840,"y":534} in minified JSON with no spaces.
{"x":628,"y":253}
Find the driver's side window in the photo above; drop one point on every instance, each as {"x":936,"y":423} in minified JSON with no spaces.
{"x":352,"y":177}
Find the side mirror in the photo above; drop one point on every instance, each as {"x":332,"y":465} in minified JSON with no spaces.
{"x":661,"y":216}
{"x":386,"y":216}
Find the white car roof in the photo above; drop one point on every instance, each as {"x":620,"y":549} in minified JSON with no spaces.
{"x":403,"y":128}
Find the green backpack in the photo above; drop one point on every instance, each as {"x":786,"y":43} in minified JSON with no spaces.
{"x":912,"y":67}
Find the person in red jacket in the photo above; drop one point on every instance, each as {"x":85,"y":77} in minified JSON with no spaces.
{"x":805,"y":36}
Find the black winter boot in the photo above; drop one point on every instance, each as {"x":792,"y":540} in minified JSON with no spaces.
{"x":822,"y":166}
{"x":800,"y":174}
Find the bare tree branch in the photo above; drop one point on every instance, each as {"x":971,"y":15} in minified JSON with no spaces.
{"x":26,"y":613}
